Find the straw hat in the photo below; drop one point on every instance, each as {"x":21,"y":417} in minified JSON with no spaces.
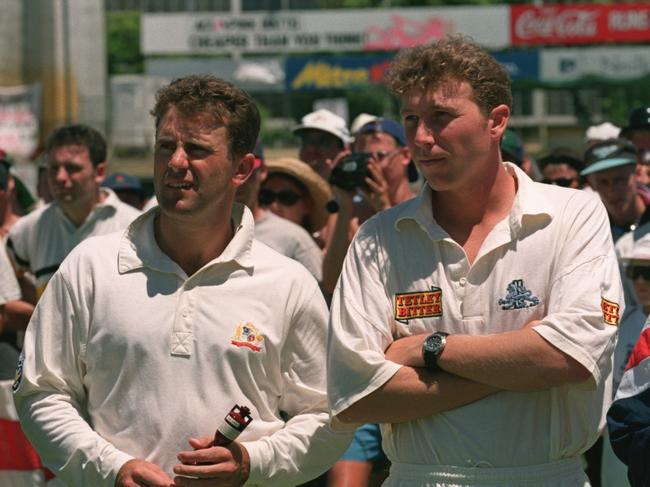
{"x":318,"y":188}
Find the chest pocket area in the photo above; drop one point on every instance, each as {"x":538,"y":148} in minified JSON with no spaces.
{"x":519,"y":303}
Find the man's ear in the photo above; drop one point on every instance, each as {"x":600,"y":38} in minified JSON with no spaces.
{"x":243,"y":169}
{"x":405,"y":154}
{"x":498,"y":120}
{"x":100,"y":173}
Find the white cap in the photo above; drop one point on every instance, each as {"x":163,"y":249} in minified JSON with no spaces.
{"x":326,"y":121}
{"x":603,"y":131}
{"x":641,"y":249}
{"x":361,"y":120}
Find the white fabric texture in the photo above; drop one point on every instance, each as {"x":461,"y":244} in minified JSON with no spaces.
{"x":9,"y":289}
{"x":552,"y":260}
{"x":40,"y":240}
{"x":291,"y":240}
{"x":137,"y":357}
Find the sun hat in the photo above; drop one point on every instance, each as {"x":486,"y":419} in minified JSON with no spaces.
{"x":607,"y":155}
{"x":318,"y":188}
{"x":326,"y":121}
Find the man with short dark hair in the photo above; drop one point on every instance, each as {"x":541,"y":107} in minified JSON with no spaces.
{"x":487,"y":301}
{"x":39,"y":241}
{"x":145,"y":339}
{"x":561,"y":167}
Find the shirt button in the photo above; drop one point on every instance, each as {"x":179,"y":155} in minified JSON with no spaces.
{"x":462,"y":281}
{"x":185,"y":313}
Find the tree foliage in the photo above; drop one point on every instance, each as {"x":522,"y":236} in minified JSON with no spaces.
{"x":123,"y":42}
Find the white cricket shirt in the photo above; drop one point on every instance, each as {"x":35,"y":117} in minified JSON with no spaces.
{"x":552,"y":259}
{"x":126,"y":356}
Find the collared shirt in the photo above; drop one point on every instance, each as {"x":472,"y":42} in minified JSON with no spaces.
{"x":127,"y":356}
{"x":550,"y":259}
{"x":291,"y":240}
{"x":40,"y":240}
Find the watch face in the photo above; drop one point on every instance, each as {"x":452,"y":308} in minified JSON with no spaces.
{"x":434,"y":344}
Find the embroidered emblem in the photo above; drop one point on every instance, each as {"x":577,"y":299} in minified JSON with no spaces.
{"x":19,"y":373}
{"x":424,"y":304}
{"x":610,"y":311}
{"x":518,"y":296}
{"x":247,"y":336}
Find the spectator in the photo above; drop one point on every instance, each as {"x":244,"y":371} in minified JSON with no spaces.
{"x":628,"y":419}
{"x":323,"y":136}
{"x":389,"y":170}
{"x":637,"y":131}
{"x":127,"y":188}
{"x":610,"y":170}
{"x":294,"y":191}
{"x":561,"y":167}
{"x":280,"y":234}
{"x":38,"y":242}
{"x":512,"y":150}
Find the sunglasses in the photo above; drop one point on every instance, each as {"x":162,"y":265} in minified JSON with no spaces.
{"x":564,"y":182}
{"x":636,"y":271}
{"x":285,"y":197}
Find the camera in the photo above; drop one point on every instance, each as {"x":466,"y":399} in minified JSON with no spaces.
{"x":351,"y":172}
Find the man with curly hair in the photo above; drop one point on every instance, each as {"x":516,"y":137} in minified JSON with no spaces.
{"x":475,"y":322}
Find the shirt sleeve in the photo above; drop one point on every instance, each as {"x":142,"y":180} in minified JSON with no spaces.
{"x":50,"y":396}
{"x":307,"y":445}
{"x":586,"y":296}
{"x":360,"y":325}
{"x":9,"y":289}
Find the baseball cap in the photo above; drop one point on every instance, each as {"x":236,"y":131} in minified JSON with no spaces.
{"x":360,"y":120}
{"x":387,"y":126}
{"x":639,"y":119}
{"x":512,"y":147}
{"x":603,"y":131}
{"x":121,"y":180}
{"x":326,"y":121}
{"x":608,"y":154}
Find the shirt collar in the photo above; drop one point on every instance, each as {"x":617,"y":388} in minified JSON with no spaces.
{"x":138,"y":246}
{"x":530,"y":201}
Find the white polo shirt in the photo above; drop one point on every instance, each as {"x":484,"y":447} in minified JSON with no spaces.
{"x":126,"y":356}
{"x":551,"y":259}
{"x":40,"y":240}
{"x":9,"y":289}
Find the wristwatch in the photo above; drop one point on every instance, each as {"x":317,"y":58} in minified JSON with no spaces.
{"x":432,"y":348}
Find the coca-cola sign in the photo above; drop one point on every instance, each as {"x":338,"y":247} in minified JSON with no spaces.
{"x":580,"y":24}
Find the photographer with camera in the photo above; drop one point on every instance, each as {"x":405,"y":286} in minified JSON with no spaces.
{"x":372,"y":178}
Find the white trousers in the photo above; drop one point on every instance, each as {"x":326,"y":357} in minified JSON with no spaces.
{"x":563,"y":473}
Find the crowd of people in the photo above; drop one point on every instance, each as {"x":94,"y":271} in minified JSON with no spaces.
{"x":404,"y":303}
